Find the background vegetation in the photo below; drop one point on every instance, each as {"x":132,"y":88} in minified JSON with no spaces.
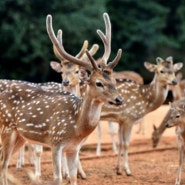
{"x":144,"y":30}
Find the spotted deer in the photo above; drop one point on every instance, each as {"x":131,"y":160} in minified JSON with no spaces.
{"x":139,"y":100}
{"x":119,"y":76}
{"x":72,"y":76}
{"x":74,"y":80}
{"x":35,"y":151}
{"x":60,"y":120}
{"x":70,"y":72}
{"x":177,"y":118}
{"x":178,"y":92}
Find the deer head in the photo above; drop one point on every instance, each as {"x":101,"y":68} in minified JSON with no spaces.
{"x":71,"y":73}
{"x":177,"y":114}
{"x":104,"y":71}
{"x":164,"y":70}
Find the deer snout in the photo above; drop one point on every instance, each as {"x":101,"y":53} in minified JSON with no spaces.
{"x":167,"y":125}
{"x":119,"y":100}
{"x":174,"y":82}
{"x":65,"y":82}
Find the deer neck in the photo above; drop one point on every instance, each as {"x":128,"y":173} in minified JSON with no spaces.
{"x":176,"y":92}
{"x":162,"y":126}
{"x":89,"y":114}
{"x":157,"y":93}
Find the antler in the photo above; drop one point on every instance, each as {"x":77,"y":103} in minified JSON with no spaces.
{"x":59,"y":45}
{"x":79,"y":55}
{"x":92,"y":52}
{"x":106,"y":38}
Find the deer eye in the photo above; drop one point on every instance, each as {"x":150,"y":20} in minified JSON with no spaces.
{"x":107,"y":72}
{"x":161,"y":71}
{"x":99,"y":84}
{"x":77,"y":71}
{"x":177,"y":116}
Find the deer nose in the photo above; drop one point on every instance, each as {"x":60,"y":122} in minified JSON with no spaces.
{"x":65,"y":82}
{"x":174,"y":82}
{"x":119,"y":100}
{"x":167,"y":125}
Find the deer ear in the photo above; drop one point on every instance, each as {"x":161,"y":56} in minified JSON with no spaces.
{"x":177,"y":66}
{"x":56,"y":66}
{"x":150,"y":67}
{"x":179,"y":76}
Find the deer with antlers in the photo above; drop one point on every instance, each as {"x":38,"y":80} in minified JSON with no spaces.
{"x":177,"y":118}
{"x":57,"y":119}
{"x":178,"y":92}
{"x":74,"y":80}
{"x":70,"y":73}
{"x":139,"y":100}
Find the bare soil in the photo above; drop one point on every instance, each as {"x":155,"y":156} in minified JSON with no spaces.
{"x":149,"y":166}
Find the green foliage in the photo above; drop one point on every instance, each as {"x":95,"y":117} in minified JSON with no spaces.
{"x":138,"y":29}
{"x":25,"y":46}
{"x":144,"y":30}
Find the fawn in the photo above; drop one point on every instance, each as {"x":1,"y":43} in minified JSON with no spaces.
{"x":56,"y":119}
{"x":177,"y":118}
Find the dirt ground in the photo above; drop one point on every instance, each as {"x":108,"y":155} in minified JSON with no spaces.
{"x":149,"y":166}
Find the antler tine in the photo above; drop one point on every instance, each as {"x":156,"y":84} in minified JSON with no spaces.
{"x":59,"y":46}
{"x":93,"y":62}
{"x":79,"y":55}
{"x":116,"y":59}
{"x":92,"y":51}
{"x":106,"y":38}
{"x":82,"y":51}
{"x":56,"y":51}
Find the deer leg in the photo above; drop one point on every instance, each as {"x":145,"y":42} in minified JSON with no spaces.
{"x":98,"y":147}
{"x":119,"y":170}
{"x":181,"y":159}
{"x":31,"y":153}
{"x":56,"y":158}
{"x":81,"y":172}
{"x":20,"y":160}
{"x":124,"y":139}
{"x":38,"y":152}
{"x":65,"y":171}
{"x":11,"y":142}
{"x":73,"y":162}
{"x":111,"y":128}
{"x":141,"y":128}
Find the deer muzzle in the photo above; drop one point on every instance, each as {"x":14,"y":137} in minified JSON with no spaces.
{"x":117,"y":101}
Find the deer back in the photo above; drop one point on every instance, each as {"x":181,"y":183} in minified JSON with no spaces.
{"x":141,"y":99}
{"x":37,"y":114}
